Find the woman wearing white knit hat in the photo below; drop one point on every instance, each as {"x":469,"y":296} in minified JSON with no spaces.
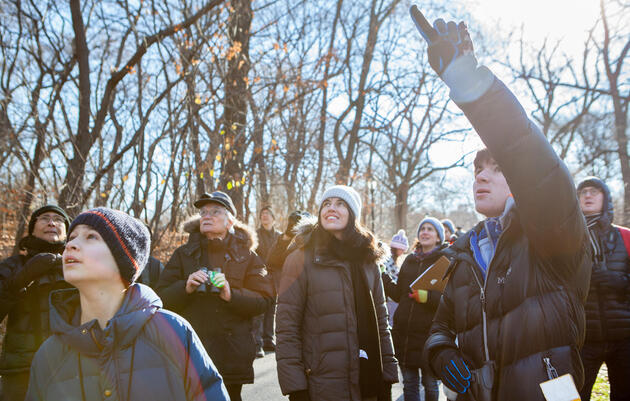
{"x":333,"y":339}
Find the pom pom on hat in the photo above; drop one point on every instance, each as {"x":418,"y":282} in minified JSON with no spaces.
{"x":399,"y":241}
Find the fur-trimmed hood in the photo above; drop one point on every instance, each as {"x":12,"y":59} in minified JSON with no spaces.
{"x":243,"y":233}
{"x":304,"y":237}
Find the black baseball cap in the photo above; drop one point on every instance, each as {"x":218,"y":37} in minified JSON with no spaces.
{"x":219,"y":197}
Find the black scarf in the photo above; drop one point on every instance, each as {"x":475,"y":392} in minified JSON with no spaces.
{"x":213,"y":252}
{"x":370,"y":368}
{"x":34,"y":245}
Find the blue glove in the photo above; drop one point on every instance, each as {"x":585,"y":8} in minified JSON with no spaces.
{"x":451,"y":55}
{"x":448,"y":364}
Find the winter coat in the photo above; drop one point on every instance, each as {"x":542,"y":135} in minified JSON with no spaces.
{"x":537,"y":280}
{"x":224,"y":327}
{"x":151,"y":273}
{"x":266,"y":239}
{"x":144,"y":353}
{"x":276,"y":257}
{"x":316,"y":323}
{"x":608,"y":311}
{"x":412,"y":320}
{"x":27,"y":310}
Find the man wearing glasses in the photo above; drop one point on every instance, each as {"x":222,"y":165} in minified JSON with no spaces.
{"x":608,"y":302}
{"x":218,"y":283}
{"x":26,"y":280}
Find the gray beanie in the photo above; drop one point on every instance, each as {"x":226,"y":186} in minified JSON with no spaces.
{"x":437,"y":224}
{"x":349,"y":195}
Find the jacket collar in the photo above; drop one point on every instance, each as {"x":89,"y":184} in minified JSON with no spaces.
{"x":139,"y":305}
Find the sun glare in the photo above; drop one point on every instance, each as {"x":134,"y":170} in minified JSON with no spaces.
{"x":566,"y":20}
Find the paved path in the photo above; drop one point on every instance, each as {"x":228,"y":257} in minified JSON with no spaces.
{"x":266,"y":387}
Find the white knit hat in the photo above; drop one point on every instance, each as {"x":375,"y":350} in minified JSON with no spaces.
{"x":349,"y":195}
{"x":399,"y":241}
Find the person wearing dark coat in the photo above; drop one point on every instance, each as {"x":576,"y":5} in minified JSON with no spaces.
{"x":151,"y":274}
{"x":221,"y":314}
{"x":333,"y":337}
{"x":608,"y":302}
{"x":279,"y":250}
{"x":264,"y":324}
{"x":111,"y":338}
{"x":26,"y":281}
{"x":512,"y":313}
{"x":413,"y":317}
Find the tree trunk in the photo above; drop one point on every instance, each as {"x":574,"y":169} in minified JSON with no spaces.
{"x":71,"y":193}
{"x":401,"y":207}
{"x":235,"y":102}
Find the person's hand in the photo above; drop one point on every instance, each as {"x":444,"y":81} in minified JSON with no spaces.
{"x":301,"y":395}
{"x":195,"y":280}
{"x":610,"y":279}
{"x":451,"y":55}
{"x":420,"y":296}
{"x":36,"y":267}
{"x":448,"y":364}
{"x":218,"y":280}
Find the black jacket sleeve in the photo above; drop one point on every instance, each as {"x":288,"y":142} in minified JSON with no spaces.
{"x":542,"y":187}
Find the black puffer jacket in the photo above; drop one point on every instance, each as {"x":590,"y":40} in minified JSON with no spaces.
{"x":27,"y":308}
{"x":224,"y":327}
{"x":538,"y":279}
{"x":144,"y":353}
{"x":412,"y":320}
{"x":266,"y":239}
{"x":608,"y":311}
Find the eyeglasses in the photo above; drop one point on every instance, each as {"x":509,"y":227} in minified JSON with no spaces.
{"x":590,"y":192}
{"x":211,"y":212}
{"x":57,"y":220}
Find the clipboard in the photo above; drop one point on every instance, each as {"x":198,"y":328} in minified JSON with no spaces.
{"x":433,"y":278}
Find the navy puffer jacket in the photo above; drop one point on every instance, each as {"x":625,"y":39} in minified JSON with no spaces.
{"x":608,"y":311}
{"x":144,"y":353}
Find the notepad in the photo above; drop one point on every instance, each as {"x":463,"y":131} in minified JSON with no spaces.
{"x":432,"y":279}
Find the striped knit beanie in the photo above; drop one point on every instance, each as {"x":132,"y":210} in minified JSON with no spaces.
{"x":127,"y":238}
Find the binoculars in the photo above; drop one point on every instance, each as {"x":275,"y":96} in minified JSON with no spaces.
{"x":208,"y":287}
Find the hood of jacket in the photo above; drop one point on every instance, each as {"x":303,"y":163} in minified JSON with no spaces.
{"x":306,"y":237}
{"x":608,"y":212}
{"x":244,"y":235}
{"x":139,"y":306}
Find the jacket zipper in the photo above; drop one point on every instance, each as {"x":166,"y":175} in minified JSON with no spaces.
{"x":413,"y":304}
{"x":408,"y":329}
{"x":552,"y":373}
{"x":482,"y":295}
{"x":484,"y":319}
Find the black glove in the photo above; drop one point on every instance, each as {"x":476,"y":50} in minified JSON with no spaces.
{"x":451,"y":55}
{"x":301,"y":395}
{"x":448,"y":364}
{"x":610,"y":279}
{"x":34,"y":268}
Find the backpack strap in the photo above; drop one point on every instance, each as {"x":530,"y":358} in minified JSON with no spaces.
{"x":625,"y":235}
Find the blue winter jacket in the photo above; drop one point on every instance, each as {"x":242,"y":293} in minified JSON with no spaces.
{"x":144,"y":353}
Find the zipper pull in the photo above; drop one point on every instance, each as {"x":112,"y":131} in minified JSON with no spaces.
{"x":551,"y":371}
{"x":482,"y":296}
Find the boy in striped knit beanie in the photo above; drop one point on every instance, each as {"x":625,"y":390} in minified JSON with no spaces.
{"x":109,"y":326}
